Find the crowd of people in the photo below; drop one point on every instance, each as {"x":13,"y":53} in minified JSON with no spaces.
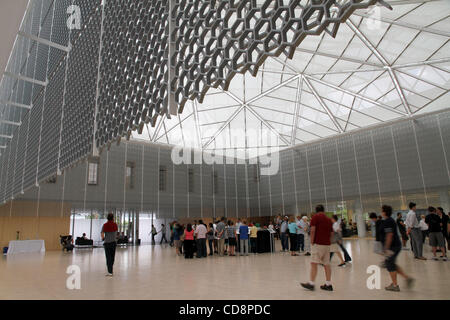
{"x":223,"y":237}
{"x":320,"y":237}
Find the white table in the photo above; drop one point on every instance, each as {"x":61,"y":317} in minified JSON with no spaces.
{"x":26,"y":246}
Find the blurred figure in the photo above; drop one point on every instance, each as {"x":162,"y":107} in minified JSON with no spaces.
{"x":378,"y":246}
{"x":445,"y":225}
{"x":163,"y":234}
{"x":391,"y":248}
{"x":336,"y":242}
{"x":434,"y":223}
{"x":402,"y":228}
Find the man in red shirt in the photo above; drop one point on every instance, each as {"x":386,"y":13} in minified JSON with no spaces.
{"x":109,"y":235}
{"x":321,"y":232}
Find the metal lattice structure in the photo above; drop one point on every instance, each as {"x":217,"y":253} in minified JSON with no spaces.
{"x":210,"y":42}
{"x":67,"y":93}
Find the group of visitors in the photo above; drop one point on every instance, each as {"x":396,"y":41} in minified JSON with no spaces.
{"x":389,"y":232}
{"x":223,"y":237}
{"x":435,"y":225}
{"x":321,"y":237}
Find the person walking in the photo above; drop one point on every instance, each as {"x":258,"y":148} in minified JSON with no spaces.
{"x":434,"y":222}
{"x":243,"y":232}
{"x":200,"y":233}
{"x":321,"y":232}
{"x":413,"y":230}
{"x":189,"y":242}
{"x":284,"y":234}
{"x":391,"y":248}
{"x":163,"y":233}
{"x":337,"y":236}
{"x":293,"y":228}
{"x":109,"y":235}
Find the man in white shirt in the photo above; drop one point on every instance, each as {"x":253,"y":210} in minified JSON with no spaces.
{"x":413,"y":230}
{"x":200,"y":233}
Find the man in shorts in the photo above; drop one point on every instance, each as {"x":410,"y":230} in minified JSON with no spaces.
{"x":321,"y":230}
{"x":434,"y":222}
{"x":391,"y":248}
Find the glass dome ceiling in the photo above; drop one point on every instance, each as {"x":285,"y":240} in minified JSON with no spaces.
{"x":382,"y":66}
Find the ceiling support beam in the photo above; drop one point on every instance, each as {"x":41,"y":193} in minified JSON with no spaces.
{"x":24,"y":78}
{"x":357,"y":95}
{"x":268,"y":125}
{"x":403,"y":24}
{"x":45,"y":41}
{"x":231,"y":118}
{"x":10,"y":122}
{"x":323,"y":105}
{"x":297,"y":111}
{"x":15,"y":104}
{"x":385,"y":63}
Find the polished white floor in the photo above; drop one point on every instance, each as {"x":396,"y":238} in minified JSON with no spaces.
{"x":155,"y":272}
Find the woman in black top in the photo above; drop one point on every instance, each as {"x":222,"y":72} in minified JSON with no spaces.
{"x":392,"y":247}
{"x":402,"y":228}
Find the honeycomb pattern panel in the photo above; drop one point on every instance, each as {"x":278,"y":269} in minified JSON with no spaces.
{"x":134,"y":68}
{"x":11,"y":167}
{"x":155,"y":53}
{"x":215,"y":40}
{"x":79,"y":107}
{"x":31,"y":160}
{"x":21,"y":152}
{"x":51,"y":119}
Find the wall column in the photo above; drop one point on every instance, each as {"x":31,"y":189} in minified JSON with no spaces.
{"x":359,"y":218}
